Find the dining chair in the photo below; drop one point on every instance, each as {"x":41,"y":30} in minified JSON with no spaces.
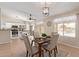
{"x":53,"y":33}
{"x":52,"y":45}
{"x":35,"y":35}
{"x":31,"y":51}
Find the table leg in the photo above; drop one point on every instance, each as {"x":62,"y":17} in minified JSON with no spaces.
{"x":40,"y":50}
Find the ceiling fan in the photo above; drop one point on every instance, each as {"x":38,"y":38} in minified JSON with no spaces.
{"x":31,"y":18}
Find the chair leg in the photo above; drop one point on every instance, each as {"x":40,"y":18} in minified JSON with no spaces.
{"x":32,"y":42}
{"x":56,"y":49}
{"x":49,"y":54}
{"x":54,"y":52}
{"x":27,"y":54}
{"x":51,"y":51}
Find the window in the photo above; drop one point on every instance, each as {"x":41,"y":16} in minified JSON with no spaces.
{"x":55,"y":27}
{"x":69,"y":29}
{"x":60,"y":29}
{"x":65,"y":26}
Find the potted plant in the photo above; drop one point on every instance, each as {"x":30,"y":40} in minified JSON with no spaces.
{"x":44,"y":34}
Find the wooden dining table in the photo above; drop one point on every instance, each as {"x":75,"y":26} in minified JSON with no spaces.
{"x":40,"y":41}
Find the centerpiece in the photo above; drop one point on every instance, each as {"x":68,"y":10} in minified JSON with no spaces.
{"x":44,"y":35}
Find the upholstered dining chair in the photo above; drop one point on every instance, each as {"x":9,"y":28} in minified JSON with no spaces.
{"x":54,"y":33}
{"x":35,"y":35}
{"x":31,"y":51}
{"x":52,"y":45}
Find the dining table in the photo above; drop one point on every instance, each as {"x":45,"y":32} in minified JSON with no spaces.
{"x":40,"y":41}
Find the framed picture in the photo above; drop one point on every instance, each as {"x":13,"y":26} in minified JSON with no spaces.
{"x":49,"y":23}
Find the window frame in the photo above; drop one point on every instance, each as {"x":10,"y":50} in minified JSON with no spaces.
{"x":64,"y":20}
{"x":63,"y":31}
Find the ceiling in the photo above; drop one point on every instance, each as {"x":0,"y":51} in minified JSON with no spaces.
{"x":23,"y":9}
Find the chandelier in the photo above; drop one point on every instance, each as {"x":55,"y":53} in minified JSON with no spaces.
{"x":45,"y":10}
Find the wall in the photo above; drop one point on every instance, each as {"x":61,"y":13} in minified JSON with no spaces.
{"x":39,"y":28}
{"x":48,"y":25}
{"x":45,"y":27}
{"x":69,"y":41}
